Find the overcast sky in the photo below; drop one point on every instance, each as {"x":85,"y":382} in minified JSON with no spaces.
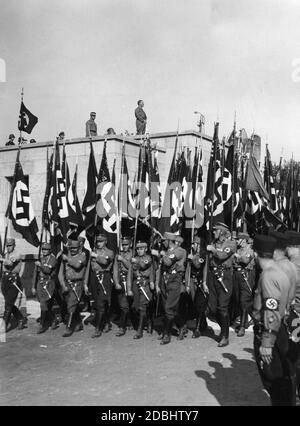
{"x":76,"y":56}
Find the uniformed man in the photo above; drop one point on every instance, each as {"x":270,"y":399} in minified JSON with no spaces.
{"x":244,"y":277}
{"x":293,"y":252}
{"x":141,"y":118}
{"x":45,"y":286}
{"x":71,"y":277}
{"x":173,"y":268}
{"x":196,"y":285}
{"x":101,"y":283}
{"x":281,"y":259}
{"x":272,"y":300}
{"x":222,"y":250}
{"x":143,"y":284}
{"x":91,"y":126}
{"x":11,"y":284}
{"x":11,"y":139}
{"x":122,"y":274}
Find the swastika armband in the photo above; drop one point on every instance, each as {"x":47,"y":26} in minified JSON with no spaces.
{"x":271,"y":304}
{"x":226,"y":250}
{"x":172,"y":256}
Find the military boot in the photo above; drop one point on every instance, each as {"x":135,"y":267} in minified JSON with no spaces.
{"x":55,"y":322}
{"x":69,"y":328}
{"x":98,"y":325}
{"x":244,"y":318}
{"x":122,"y":326}
{"x":43,"y":325}
{"x":139,"y":333}
{"x":19,"y":317}
{"x":182,"y":332}
{"x":79,"y":325}
{"x":149,"y":325}
{"x":197,"y":332}
{"x":167,"y":333}
{"x":224,"y":335}
{"x":6,"y":317}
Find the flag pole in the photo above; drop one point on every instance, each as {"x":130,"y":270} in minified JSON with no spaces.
{"x":234,"y":168}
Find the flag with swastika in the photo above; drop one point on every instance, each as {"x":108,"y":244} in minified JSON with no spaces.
{"x":20,"y":210}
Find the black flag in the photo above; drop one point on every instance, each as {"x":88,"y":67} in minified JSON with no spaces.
{"x":21,"y":211}
{"x":27,"y":120}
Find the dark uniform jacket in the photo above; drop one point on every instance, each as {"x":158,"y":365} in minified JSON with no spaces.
{"x":143,"y":267}
{"x":271,"y":302}
{"x":296,"y":303}
{"x":90,"y":128}
{"x":123,"y":268}
{"x":223,"y":257}
{"x":75,"y":267}
{"x":103,"y":261}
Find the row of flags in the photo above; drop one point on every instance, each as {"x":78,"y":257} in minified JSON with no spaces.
{"x":236,"y":193}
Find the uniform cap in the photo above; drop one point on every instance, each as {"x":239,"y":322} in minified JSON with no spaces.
{"x":264,"y":245}
{"x":221,"y":225}
{"x":11,"y":136}
{"x":243,"y":236}
{"x":140,"y":244}
{"x":92,"y":113}
{"x":10,"y":242}
{"x":101,"y":237}
{"x":196,"y":240}
{"x":282,"y":240}
{"x":125,"y":240}
{"x":46,"y":246}
{"x":73,"y":244}
{"x":294,"y":238}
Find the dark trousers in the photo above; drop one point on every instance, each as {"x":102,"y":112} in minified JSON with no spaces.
{"x":278,"y":377}
{"x":221,"y":297}
{"x":102,"y":299}
{"x":171,"y":290}
{"x":10,"y":291}
{"x":245,"y":295}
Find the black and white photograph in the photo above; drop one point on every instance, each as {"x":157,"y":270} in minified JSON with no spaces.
{"x":149,"y":206}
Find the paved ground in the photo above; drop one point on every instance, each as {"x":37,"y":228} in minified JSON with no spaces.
{"x":50,"y":370}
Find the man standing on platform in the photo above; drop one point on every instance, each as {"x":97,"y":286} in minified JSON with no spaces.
{"x":141,"y":118}
{"x":91,"y":126}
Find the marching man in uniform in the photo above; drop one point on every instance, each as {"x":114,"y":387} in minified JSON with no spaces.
{"x":122,"y":279}
{"x":173,"y":268}
{"x":222,"y":250}
{"x":197,"y":287}
{"x":45,"y":285}
{"x":101,"y":282}
{"x":244,"y":273}
{"x":11,"y":284}
{"x":142,"y":285}
{"x":271,"y":302}
{"x":71,"y":277}
{"x":293,"y":252}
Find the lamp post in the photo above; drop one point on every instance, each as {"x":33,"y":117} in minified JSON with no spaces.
{"x":201,"y":121}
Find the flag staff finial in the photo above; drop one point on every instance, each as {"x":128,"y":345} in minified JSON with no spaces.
{"x":22,"y":94}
